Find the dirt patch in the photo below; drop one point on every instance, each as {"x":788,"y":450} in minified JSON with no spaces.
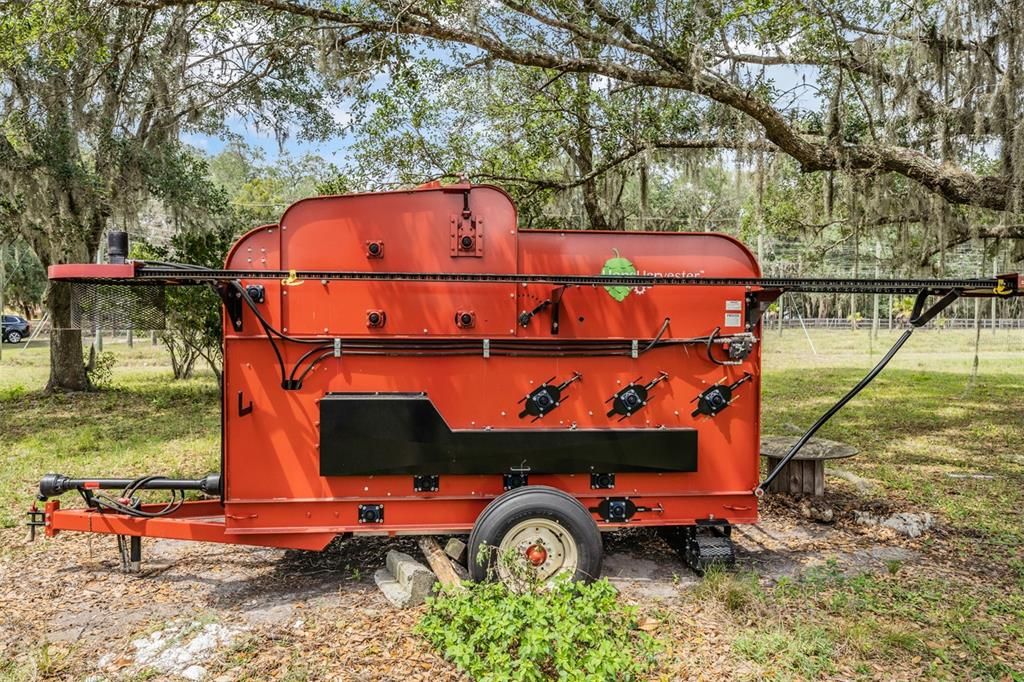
{"x":203,"y":611}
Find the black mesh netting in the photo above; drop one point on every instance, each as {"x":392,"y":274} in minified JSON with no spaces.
{"x":118,"y":306}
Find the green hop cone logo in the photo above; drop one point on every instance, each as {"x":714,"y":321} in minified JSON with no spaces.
{"x":618,"y":266}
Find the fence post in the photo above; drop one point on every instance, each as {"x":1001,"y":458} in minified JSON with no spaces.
{"x":874,"y":320}
{"x":995,"y":273}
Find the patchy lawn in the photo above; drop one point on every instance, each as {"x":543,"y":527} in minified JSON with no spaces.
{"x":807,"y":601}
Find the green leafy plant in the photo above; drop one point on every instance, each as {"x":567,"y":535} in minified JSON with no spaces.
{"x":561,"y":630}
{"x":101,"y":369}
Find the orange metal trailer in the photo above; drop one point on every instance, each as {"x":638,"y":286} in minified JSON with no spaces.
{"x":399,"y":362}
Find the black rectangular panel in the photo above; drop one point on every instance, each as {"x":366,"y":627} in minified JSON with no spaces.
{"x":372,"y":434}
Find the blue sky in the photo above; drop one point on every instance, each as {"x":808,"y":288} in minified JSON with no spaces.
{"x":333,"y":150}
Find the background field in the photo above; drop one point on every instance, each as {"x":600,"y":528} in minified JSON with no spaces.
{"x":951,"y":604}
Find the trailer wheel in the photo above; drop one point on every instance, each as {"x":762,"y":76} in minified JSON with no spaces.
{"x":534,"y":529}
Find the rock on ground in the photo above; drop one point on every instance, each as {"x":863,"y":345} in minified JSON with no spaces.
{"x":905,"y":523}
{"x":178,"y":650}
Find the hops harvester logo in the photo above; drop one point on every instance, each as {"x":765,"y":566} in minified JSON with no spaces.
{"x":618,"y":266}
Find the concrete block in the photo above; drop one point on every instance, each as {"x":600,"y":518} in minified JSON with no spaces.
{"x":404,"y":581}
{"x":456,"y":549}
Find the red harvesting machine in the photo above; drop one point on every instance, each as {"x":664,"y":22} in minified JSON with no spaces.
{"x":413,"y":363}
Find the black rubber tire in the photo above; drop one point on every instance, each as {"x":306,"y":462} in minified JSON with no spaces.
{"x":534,"y":501}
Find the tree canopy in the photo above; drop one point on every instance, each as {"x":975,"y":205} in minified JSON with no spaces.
{"x":811,"y":127}
{"x":927,"y":92}
{"x":94,"y":99}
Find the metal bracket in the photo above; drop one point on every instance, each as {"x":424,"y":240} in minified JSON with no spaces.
{"x":716,"y":398}
{"x":487,"y":348}
{"x":556,"y":307}
{"x":36,"y":519}
{"x":633,"y":397}
{"x":337,"y":348}
{"x":232,"y":297}
{"x":621,"y":509}
{"x":526,"y":316}
{"x":634,"y":349}
{"x":758,"y":303}
{"x":428,"y":483}
{"x":511,"y":481}
{"x":467,"y":236}
{"x":243,"y":409}
{"x":371,"y":513}
{"x":545,"y":397}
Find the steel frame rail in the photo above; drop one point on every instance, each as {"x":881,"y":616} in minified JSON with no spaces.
{"x":1004,"y":285}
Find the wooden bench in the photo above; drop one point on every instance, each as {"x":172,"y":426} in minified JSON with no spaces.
{"x":805,"y":473}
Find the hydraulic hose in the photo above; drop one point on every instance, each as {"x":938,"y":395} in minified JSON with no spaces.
{"x":868,"y":378}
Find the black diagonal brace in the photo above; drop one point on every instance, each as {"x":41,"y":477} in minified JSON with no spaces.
{"x":918,"y":318}
{"x":921,"y":316}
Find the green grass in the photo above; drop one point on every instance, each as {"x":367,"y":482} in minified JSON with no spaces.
{"x":829,"y":624}
{"x":922,"y":426}
{"x":145,"y":422}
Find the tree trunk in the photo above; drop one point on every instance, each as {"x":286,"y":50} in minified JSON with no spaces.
{"x":592,"y":206}
{"x":67,"y":370}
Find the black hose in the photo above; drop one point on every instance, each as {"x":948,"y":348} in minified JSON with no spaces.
{"x":267,"y":327}
{"x":313,"y":365}
{"x":298,"y":363}
{"x":868,"y":378}
{"x":657,"y":337}
{"x":710,"y":341}
{"x":105,"y":502}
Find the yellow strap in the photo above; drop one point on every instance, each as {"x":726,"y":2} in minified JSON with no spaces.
{"x":291,"y":280}
{"x":1002,"y":289}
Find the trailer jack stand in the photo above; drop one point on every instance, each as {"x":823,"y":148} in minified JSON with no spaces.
{"x":36,"y":519}
{"x":130,"y":549}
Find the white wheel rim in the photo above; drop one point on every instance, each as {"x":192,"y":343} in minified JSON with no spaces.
{"x":14,"y":337}
{"x":539,"y":545}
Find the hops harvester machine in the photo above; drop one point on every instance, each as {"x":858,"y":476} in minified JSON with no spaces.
{"x":413,"y":363}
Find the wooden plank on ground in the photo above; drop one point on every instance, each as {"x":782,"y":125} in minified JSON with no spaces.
{"x":440,"y":563}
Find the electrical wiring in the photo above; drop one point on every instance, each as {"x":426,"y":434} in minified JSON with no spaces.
{"x":128,"y":504}
{"x":454,"y":347}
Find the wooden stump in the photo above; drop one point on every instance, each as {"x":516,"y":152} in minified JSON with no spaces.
{"x":805,"y":473}
{"x":805,"y":477}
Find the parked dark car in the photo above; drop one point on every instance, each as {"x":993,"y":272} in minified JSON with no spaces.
{"x":15,"y":328}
